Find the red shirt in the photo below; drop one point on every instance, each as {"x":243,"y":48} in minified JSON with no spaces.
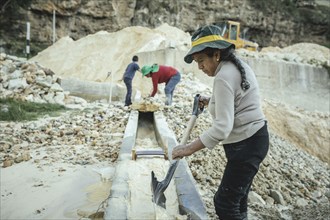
{"x":163,"y":75}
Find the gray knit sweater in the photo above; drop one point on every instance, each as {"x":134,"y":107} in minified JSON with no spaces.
{"x":236,"y":114}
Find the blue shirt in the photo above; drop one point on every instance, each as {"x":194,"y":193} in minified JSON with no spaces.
{"x":130,"y":70}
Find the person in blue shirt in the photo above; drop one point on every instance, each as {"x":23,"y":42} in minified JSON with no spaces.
{"x":128,"y":78}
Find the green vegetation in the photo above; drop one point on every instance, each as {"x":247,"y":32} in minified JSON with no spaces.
{"x":15,"y":110}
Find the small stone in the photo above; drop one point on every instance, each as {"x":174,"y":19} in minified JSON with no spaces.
{"x":301,"y":202}
{"x":277,"y":196}
{"x":256,"y":198}
{"x":7,"y":163}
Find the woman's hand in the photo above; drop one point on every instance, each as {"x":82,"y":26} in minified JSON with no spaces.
{"x":183,"y":150}
{"x":203,"y":101}
{"x":180,"y":151}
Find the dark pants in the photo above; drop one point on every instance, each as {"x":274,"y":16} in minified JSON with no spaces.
{"x":243,"y":160}
{"x":128,"y":83}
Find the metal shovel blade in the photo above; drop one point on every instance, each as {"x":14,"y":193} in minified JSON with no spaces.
{"x":158,"y":188}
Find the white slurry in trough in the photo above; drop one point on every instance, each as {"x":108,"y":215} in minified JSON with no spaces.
{"x":140,"y":205}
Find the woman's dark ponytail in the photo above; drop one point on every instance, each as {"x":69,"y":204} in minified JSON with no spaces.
{"x":228,"y":55}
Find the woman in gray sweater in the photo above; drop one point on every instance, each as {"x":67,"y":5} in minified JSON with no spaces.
{"x":238,"y":121}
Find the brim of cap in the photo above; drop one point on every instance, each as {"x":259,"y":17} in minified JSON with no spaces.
{"x":220,"y":44}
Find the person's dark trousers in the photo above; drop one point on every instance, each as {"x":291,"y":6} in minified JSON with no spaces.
{"x":128,"y":83}
{"x":243,"y":160}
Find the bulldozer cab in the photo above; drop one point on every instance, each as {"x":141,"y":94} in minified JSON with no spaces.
{"x":229,"y":29}
{"x":233,"y":31}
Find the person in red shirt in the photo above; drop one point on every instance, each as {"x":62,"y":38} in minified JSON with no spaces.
{"x":162,"y":74}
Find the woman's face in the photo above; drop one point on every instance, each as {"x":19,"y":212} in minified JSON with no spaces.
{"x":207,"y":64}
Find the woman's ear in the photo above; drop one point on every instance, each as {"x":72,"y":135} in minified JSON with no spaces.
{"x":217,"y":55}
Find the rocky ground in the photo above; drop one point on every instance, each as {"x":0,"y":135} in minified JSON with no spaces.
{"x":291,"y":184}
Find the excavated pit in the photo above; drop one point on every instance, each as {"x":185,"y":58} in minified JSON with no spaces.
{"x":131,"y":194}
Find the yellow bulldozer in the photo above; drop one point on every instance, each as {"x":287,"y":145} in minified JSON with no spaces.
{"x":230,"y":31}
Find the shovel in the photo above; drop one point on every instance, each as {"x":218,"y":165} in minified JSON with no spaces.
{"x":157,"y":187}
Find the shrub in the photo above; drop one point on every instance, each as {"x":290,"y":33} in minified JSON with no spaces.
{"x":15,"y":110}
